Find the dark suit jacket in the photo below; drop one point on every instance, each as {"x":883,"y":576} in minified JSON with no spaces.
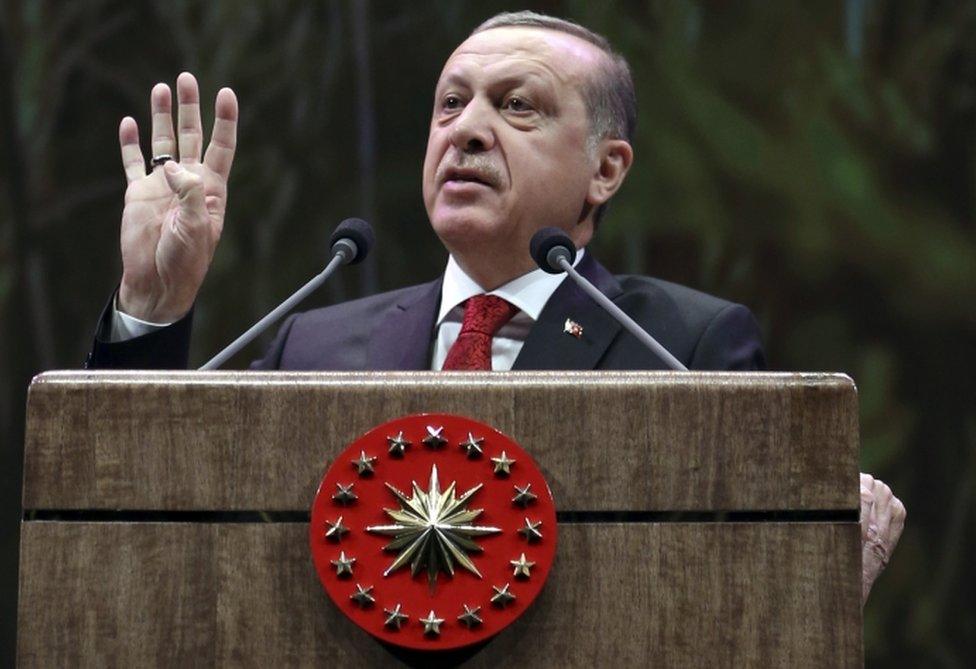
{"x":395,"y":331}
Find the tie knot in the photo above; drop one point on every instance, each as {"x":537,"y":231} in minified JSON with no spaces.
{"x":486,"y":314}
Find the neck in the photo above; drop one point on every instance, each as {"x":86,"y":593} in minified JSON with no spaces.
{"x":491,"y":273}
{"x":493,"y":262}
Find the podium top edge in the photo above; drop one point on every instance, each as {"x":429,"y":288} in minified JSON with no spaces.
{"x":459,"y":379}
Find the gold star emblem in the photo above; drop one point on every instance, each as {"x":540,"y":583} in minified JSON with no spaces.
{"x":531,"y":530}
{"x":432,"y":624}
{"x":336,"y":529}
{"x":502,"y":596}
{"x":522,"y":567}
{"x":522,"y":495}
{"x":472,"y":446}
{"x":503,"y":464}
{"x":470,"y":616}
{"x":345,"y":495}
{"x":343,"y":565}
{"x":398,"y":445}
{"x":433,"y":529}
{"x":395,"y":618}
{"x":364,"y":465}
{"x":435,"y":437}
{"x":362,"y":596}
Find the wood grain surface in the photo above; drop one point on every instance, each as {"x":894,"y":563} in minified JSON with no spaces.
{"x":644,"y":441}
{"x":621,"y":595}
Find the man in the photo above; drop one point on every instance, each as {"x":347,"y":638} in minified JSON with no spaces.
{"x":531,"y":127}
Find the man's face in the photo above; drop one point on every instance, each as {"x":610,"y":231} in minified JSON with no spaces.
{"x":507,"y":152}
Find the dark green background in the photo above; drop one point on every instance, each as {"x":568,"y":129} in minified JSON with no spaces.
{"x":813,"y":160}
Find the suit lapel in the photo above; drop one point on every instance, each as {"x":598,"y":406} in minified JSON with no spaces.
{"x":402,"y":338}
{"x":549,"y":347}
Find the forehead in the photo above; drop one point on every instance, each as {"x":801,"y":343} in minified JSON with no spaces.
{"x":556,"y":56}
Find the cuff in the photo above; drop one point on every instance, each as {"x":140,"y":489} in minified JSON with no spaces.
{"x":122,"y":326}
{"x":166,"y":347}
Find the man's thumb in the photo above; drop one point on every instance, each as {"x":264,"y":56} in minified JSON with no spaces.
{"x":187,"y":186}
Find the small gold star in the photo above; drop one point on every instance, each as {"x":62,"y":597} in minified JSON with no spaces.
{"x":336,"y":529}
{"x":470,"y":616}
{"x":345,"y":495}
{"x":434,"y":438}
{"x":364,"y":465}
{"x":362,"y":596}
{"x":472,"y":446}
{"x":523,"y":496}
{"x":503,"y":464}
{"x":432,"y":624}
{"x":397,"y":446}
{"x":502,"y":596}
{"x":395,"y":618}
{"x":522,"y":567}
{"x":343,"y":565}
{"x":531,"y":530}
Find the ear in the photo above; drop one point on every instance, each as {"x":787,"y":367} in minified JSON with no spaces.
{"x":614,"y":156}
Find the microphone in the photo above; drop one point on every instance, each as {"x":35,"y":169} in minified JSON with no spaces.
{"x":353,"y":236}
{"x":349,"y":244}
{"x":554,"y":252}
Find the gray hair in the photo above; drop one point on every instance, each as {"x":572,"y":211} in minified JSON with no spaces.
{"x":609,"y":95}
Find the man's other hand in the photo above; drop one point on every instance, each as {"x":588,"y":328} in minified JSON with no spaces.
{"x":882,"y":520}
{"x":173,"y":214}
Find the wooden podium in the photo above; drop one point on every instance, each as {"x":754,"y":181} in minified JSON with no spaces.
{"x":706,"y":519}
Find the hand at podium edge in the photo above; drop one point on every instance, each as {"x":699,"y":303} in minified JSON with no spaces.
{"x":882,"y":521}
{"x":174,"y":214}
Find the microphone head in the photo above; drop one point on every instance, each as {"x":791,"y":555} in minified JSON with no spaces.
{"x":359,"y":232}
{"x":547,"y":245}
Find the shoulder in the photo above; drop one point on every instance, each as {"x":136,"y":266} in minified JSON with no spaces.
{"x":703,"y":331}
{"x":693,"y":308}
{"x":335,"y":337}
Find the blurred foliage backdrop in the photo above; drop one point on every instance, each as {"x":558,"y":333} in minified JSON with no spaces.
{"x":814,"y":160}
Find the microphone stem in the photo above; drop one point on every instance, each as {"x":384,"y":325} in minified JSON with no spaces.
{"x":625,"y":320}
{"x":341,"y":257}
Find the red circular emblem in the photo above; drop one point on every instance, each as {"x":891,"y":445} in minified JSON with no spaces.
{"x":433,"y":531}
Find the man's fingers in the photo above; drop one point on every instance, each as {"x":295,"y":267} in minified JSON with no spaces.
{"x":897,"y":523}
{"x":189,"y":188}
{"x":133,"y":161}
{"x":163,"y":140}
{"x":882,"y":521}
{"x":881,"y":512}
{"x":188,"y":118}
{"x":867,"y":501}
{"x":223,"y":141}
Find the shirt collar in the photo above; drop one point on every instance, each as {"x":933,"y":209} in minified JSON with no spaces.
{"x":529,"y":292}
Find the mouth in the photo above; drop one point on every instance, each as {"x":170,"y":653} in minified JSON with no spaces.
{"x":455,"y":175}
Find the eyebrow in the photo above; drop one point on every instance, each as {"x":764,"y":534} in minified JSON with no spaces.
{"x":506,"y":81}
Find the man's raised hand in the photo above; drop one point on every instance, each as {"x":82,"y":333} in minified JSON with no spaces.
{"x":174,"y":214}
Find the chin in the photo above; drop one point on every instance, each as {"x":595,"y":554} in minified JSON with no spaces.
{"x":460,"y":229}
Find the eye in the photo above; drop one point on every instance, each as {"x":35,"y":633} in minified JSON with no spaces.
{"x":451,"y":103}
{"x":517,"y":104}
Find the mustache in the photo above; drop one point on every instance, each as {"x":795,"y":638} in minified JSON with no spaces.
{"x":480,"y":163}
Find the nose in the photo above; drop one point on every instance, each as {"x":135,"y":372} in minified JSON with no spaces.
{"x":472,"y":131}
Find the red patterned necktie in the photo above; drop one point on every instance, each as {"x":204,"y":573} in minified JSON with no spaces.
{"x":484,"y":315}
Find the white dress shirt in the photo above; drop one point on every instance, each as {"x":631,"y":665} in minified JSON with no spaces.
{"x":123,"y":326}
{"x":529,"y":293}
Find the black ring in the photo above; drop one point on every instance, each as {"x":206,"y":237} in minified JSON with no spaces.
{"x":160,"y":159}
